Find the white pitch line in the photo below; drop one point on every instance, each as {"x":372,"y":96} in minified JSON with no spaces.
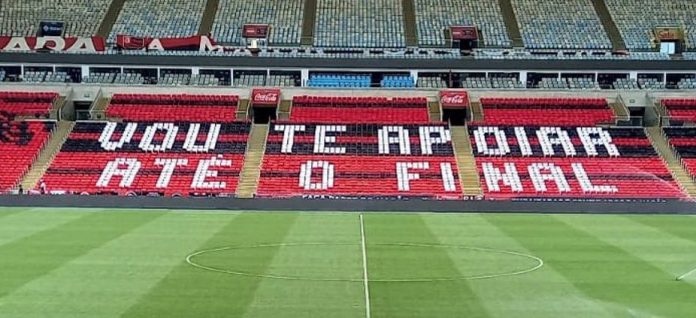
{"x":364,"y":259}
{"x":687,"y":274}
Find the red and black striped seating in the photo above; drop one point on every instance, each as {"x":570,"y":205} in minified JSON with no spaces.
{"x":683,"y":142}
{"x":20,"y":144}
{"x":178,"y":107}
{"x":575,"y":162}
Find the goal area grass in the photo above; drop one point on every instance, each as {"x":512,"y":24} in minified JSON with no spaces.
{"x":60,"y":262}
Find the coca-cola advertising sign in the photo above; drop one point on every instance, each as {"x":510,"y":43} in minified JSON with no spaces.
{"x":265,"y":97}
{"x":454,"y":99}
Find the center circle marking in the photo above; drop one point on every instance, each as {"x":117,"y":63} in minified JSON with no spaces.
{"x":190,"y":259}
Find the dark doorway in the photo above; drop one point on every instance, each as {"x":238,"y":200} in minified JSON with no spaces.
{"x":456,"y":117}
{"x":263,"y":115}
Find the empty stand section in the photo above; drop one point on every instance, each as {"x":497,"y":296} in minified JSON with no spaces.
{"x":20,"y":144}
{"x":163,"y":18}
{"x":433,"y":17}
{"x":144,"y":157}
{"x":545,"y":111}
{"x":322,"y":109}
{"x":680,"y":110}
{"x":359,"y":146}
{"x":683,"y":141}
{"x":359,"y":23}
{"x":45,"y":157}
{"x":81,"y":17}
{"x":359,"y":160}
{"x":176,"y":107}
{"x":675,"y":145}
{"x":283,"y":16}
{"x":26,"y":104}
{"x":570,"y":162}
{"x":637,"y":19}
{"x":560,"y":24}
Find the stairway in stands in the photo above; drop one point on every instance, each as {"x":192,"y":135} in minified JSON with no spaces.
{"x":48,"y":153}
{"x":476,"y":111}
{"x":434,"y":111}
{"x":208,"y":17}
{"x":284,"y":109}
{"x":110,"y":18}
{"x":620,"y":111}
{"x":513,"y":29}
{"x":243,"y":110}
{"x":410,"y":31}
{"x":308,"y":22}
{"x":251,"y":171}
{"x":679,"y":174}
{"x":617,"y":42}
{"x":466,"y":163}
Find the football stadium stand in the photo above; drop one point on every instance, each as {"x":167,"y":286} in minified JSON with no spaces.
{"x":363,"y":146}
{"x":186,"y":145}
{"x":558,"y":24}
{"x":683,"y":142}
{"x":20,"y":144}
{"x":680,"y":110}
{"x":542,"y":155}
{"x":27,"y":104}
{"x":359,"y":23}
{"x":434,"y":16}
{"x":283,"y":16}
{"x":164,"y":18}
{"x":339,"y":80}
{"x":80,"y":17}
{"x":636,"y":19}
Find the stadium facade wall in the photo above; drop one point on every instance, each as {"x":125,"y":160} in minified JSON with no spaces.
{"x":353,"y":64}
{"x":355,"y":205}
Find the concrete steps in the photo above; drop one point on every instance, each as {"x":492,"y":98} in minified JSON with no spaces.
{"x":435,"y":112}
{"x":308,"y":21}
{"x":251,"y":171}
{"x":466,"y":162}
{"x":511,"y":25}
{"x":476,"y":111}
{"x":110,"y":18}
{"x":410,"y":29}
{"x":208,"y":17}
{"x":242,"y":110}
{"x":48,"y":153}
{"x":661,"y":145}
{"x":620,"y":111}
{"x":284,"y":109}
{"x":612,"y":31}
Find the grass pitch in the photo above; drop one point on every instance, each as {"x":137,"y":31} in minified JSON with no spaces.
{"x":123,"y":263}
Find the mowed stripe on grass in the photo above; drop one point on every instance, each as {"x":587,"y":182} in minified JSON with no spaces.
{"x":600,"y":270}
{"x":191,"y":292}
{"x":108,"y":280}
{"x":337,"y":255}
{"x":670,"y":253}
{"x":425,"y":299}
{"x":543,"y":293}
{"x":24,"y":222}
{"x":39,"y":254}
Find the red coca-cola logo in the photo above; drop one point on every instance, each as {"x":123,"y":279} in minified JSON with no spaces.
{"x":266,"y":97}
{"x":453,"y":99}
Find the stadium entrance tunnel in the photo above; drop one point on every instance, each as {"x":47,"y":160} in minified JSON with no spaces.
{"x":388,"y":262}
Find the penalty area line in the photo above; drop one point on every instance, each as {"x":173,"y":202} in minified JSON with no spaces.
{"x":364,"y":261}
